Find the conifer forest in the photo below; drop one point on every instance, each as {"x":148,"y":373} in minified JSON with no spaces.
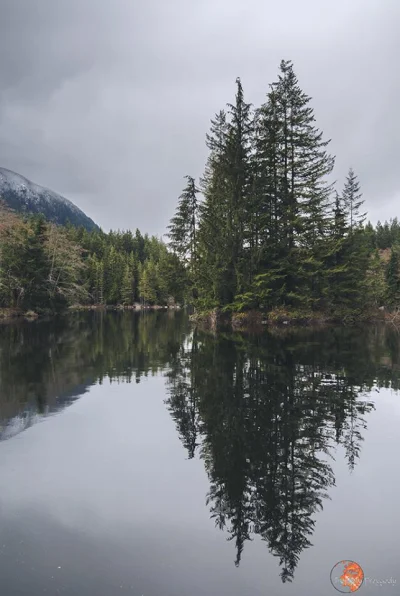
{"x":265,"y":228}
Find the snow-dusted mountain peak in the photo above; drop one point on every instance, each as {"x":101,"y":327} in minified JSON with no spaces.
{"x":25,"y":196}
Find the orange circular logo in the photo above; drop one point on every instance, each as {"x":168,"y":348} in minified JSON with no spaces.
{"x":347,"y":577}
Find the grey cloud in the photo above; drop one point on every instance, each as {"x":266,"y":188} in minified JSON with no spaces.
{"x":108,"y":102}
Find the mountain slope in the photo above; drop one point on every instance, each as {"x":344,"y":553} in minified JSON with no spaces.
{"x":24,"y":196}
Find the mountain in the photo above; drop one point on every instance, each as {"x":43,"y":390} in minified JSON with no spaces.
{"x":23,"y":196}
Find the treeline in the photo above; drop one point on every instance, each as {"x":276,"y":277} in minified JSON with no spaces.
{"x":271,"y":230}
{"x":45,"y":267}
{"x":124,"y":268}
{"x":385,"y":235}
{"x":264,"y":229}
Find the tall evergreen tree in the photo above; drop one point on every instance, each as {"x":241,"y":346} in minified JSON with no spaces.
{"x":183,"y":232}
{"x":212,"y":226}
{"x":393,"y":278}
{"x":36,"y":267}
{"x":226,"y":187}
{"x":352,"y":198}
{"x":295,"y":194}
{"x":266,"y":208}
{"x":127,"y":287}
{"x":183,"y":226}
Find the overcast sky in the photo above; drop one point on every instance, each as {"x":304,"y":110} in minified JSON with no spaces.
{"x":108,"y":101}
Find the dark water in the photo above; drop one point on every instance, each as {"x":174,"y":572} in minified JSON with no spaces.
{"x":139,"y":458}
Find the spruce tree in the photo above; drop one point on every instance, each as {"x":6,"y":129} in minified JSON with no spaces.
{"x":127,"y":286}
{"x":393,"y":279}
{"x":148,"y":283}
{"x":266,"y":247}
{"x":370,"y":236}
{"x":239,"y":138}
{"x":224,"y":214}
{"x":183,"y":233}
{"x":212,"y":226}
{"x":352,"y":198}
{"x":100,"y":282}
{"x":348,"y":261}
{"x":297,"y":184}
{"x":337,"y":267}
{"x":375,"y":281}
{"x":183,"y":226}
{"x":36,"y":267}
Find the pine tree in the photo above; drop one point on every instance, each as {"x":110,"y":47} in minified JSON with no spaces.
{"x":183,"y":226}
{"x":297,"y":189}
{"x":148,"y":283}
{"x":266,"y":247}
{"x":183,"y":232}
{"x":370,"y":236}
{"x":239,"y":135}
{"x":375,"y":281}
{"x":212,"y":227}
{"x":36,"y":267}
{"x":226,"y":187}
{"x":127,"y":287}
{"x":348,"y":258}
{"x":337,"y":266}
{"x":100,"y":282}
{"x":393,"y":278}
{"x":352,"y":198}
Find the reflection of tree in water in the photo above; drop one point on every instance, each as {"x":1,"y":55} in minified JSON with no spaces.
{"x":46,"y":365}
{"x":183,"y":401}
{"x":264,"y":413}
{"x":270,"y":411}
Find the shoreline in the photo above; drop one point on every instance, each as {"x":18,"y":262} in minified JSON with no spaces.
{"x":8,"y":315}
{"x":254,"y":321}
{"x":11,"y":315}
{"x":257,"y":321}
{"x":137,"y":306}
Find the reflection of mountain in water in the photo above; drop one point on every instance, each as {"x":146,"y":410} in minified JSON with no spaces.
{"x":46,"y":366}
{"x":31,"y":415}
{"x":266,"y":414}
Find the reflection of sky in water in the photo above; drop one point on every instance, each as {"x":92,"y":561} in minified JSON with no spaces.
{"x":102,"y":496}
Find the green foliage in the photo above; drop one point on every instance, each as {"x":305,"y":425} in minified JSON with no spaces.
{"x":393,"y":278}
{"x":352,"y":200}
{"x":183,"y":236}
{"x":375,"y":283}
{"x":387,"y":234}
{"x":148,"y":283}
{"x":127,"y":287}
{"x":40,"y":267}
{"x":47,"y":267}
{"x":222,"y":267}
{"x":125,"y":268}
{"x":269,"y":233}
{"x":183,"y":226}
{"x":272,"y":232}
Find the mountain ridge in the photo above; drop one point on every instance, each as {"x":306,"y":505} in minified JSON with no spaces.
{"x":24,"y":196}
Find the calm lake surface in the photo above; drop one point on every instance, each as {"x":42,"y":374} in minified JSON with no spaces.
{"x":140,"y":458}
